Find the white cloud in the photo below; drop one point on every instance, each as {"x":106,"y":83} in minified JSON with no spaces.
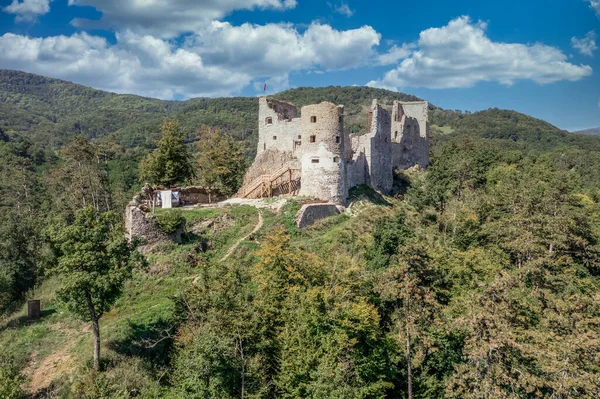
{"x":595,"y":5}
{"x":460,"y":55}
{"x":395,"y":54}
{"x":277,"y":49}
{"x":167,"y":19}
{"x":28,"y":10}
{"x":220,"y":60}
{"x":342,"y":8}
{"x":137,"y":64}
{"x":586,"y":45}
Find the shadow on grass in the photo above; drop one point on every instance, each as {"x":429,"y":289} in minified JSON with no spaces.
{"x":364,"y":192}
{"x":24,"y":320}
{"x":152,"y":342}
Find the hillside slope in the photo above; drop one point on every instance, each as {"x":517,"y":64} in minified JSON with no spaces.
{"x":50,"y":111}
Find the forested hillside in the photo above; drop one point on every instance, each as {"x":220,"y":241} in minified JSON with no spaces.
{"x":477,"y":278}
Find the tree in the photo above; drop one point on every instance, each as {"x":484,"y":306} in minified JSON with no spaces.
{"x":94,"y":261}
{"x":222,"y":162}
{"x":171,"y":162}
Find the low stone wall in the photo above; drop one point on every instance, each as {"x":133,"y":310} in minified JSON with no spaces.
{"x":141,"y":224}
{"x":199,"y":195}
{"x":310,"y":213}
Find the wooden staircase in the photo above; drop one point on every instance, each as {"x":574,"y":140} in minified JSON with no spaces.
{"x":285,"y":180}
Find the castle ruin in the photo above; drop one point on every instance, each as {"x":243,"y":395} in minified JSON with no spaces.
{"x":310,"y":154}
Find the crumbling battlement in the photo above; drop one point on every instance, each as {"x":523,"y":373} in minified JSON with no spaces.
{"x":332,"y":161}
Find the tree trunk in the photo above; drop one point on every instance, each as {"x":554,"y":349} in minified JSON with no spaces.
{"x":96,"y":328}
{"x":408,"y":365}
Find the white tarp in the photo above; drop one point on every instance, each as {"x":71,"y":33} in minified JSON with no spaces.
{"x":165,"y":197}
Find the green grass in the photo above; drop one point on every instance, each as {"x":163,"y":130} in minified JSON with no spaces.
{"x":445,"y":130}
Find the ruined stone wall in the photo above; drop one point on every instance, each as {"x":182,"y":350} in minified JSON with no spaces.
{"x":376,"y":147}
{"x":193,"y":195}
{"x":278,"y":125}
{"x":323,"y":148}
{"x":330,"y":160}
{"x":142,"y":225}
{"x":357,"y":168}
{"x":310,"y":213}
{"x":410,"y":134}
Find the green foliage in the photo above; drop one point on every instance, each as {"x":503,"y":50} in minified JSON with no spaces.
{"x":221,"y":163}
{"x":10,"y":380}
{"x":487,"y":269}
{"x":171,"y":162}
{"x":170,"y":222}
{"x":94,"y":260}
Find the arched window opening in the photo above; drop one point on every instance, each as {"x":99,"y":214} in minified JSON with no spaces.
{"x":269,"y":121}
{"x":336,"y":159}
{"x":313,"y":119}
{"x":274,"y":137}
{"x":337,"y":139}
{"x":313,"y":139}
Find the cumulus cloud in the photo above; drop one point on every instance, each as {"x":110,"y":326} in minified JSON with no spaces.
{"x":221,"y":59}
{"x":140,"y":64}
{"x":167,"y":19}
{"x":460,"y":55}
{"x":595,"y":5}
{"x":28,"y":10}
{"x":586,"y":45}
{"x":395,"y":54}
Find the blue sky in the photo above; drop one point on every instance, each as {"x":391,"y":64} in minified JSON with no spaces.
{"x":539,"y":57}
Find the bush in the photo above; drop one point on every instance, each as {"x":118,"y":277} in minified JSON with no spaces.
{"x":170,"y":222}
{"x":10,"y":380}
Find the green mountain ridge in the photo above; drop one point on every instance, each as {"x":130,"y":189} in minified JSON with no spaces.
{"x":594,"y":130}
{"x":51,"y":111}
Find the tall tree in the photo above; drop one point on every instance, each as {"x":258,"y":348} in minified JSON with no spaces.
{"x":171,"y":162}
{"x":222,"y":162}
{"x":94,"y":261}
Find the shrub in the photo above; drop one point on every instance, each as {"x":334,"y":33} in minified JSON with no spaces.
{"x":170,"y":222}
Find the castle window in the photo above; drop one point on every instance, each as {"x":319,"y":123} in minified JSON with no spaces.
{"x":274,"y":137}
{"x":341,"y":119}
{"x":396,"y":135}
{"x":336,"y":159}
{"x":313,"y":139}
{"x":314,"y":160}
{"x":299,"y":137}
{"x":337,"y":139}
{"x":264,"y":146}
{"x":313,"y":119}
{"x":269,"y":121}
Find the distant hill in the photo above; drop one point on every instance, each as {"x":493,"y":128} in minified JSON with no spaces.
{"x":594,"y":130}
{"x":50,"y":111}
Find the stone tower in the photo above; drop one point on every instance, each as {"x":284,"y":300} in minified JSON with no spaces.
{"x":323,"y":143}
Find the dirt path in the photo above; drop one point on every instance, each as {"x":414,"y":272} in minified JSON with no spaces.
{"x":43,"y":372}
{"x":234,"y":246}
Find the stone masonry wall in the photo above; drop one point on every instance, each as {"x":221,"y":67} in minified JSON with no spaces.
{"x":323,"y":143}
{"x":410,"y":134}
{"x":278,"y":125}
